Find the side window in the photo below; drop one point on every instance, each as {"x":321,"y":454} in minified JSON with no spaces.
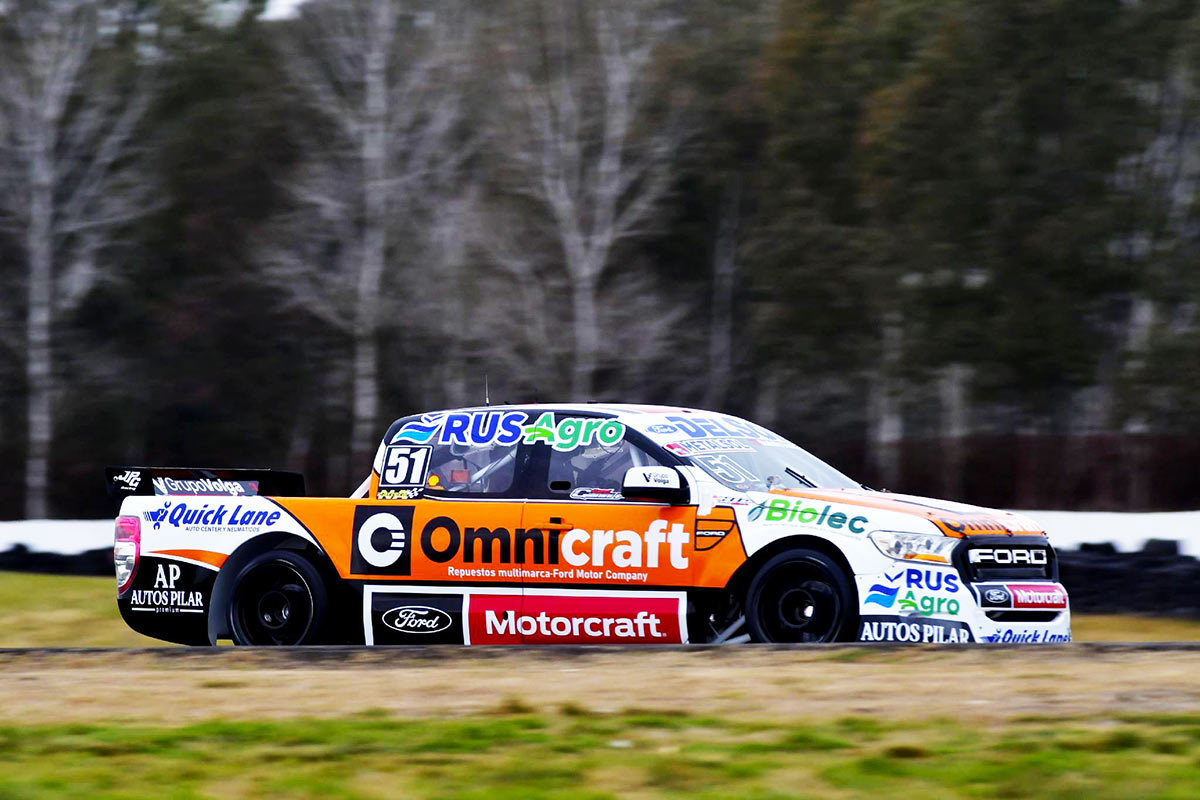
{"x":594,"y":472}
{"x":471,"y":470}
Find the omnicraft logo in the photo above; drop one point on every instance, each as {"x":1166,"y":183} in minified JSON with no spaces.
{"x":558,"y":619}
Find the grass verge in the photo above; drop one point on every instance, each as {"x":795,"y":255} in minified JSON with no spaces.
{"x":575,"y":753}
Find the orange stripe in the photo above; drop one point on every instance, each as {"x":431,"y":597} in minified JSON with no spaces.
{"x":205,"y":556}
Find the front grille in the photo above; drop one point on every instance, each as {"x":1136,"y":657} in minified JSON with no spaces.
{"x":1005,"y":558}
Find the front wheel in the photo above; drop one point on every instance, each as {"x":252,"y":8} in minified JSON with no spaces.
{"x":278,"y":599}
{"x":799,"y":596}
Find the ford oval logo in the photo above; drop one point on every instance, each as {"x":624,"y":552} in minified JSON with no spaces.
{"x":660,"y":429}
{"x":996,"y":596}
{"x":417,"y":619}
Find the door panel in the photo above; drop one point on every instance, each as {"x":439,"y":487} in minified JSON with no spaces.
{"x":617,"y":545}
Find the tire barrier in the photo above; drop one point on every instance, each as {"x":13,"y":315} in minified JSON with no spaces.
{"x":1157,"y":580}
{"x":19,"y":558}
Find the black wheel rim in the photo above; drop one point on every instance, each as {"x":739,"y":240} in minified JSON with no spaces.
{"x":799,"y":602}
{"x":273,"y":605}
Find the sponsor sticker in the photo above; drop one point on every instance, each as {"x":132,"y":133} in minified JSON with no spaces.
{"x":207,"y":519}
{"x":398,"y":494}
{"x":913,"y":630}
{"x":1036,"y":596}
{"x":1026,"y":636}
{"x":693,"y":447}
{"x":503,"y":428}
{"x":782,"y":510}
{"x":421,"y":620}
{"x":588,"y":493}
{"x":413,"y":615}
{"x":924,"y":591}
{"x":382,"y":543}
{"x":204,"y":486}
{"x":130,"y":479}
{"x":165,"y":596}
{"x":572,"y":619}
{"x":608,"y":555}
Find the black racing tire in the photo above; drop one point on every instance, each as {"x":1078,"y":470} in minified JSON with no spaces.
{"x":278,"y":598}
{"x":800,"y":596}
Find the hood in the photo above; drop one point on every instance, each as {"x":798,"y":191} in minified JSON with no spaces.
{"x":952,"y":519}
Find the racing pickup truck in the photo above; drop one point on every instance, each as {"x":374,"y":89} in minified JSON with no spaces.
{"x":571,"y":523}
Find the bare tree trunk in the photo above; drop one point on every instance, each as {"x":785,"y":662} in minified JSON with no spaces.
{"x":887,"y":421}
{"x":956,"y":426}
{"x":39,"y":360}
{"x":365,"y":408}
{"x":1136,"y":431}
{"x":587,"y":337}
{"x":720,"y":345}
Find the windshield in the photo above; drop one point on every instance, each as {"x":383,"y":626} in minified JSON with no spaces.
{"x":744,"y":456}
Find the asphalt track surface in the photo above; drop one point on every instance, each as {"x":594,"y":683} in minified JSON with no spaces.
{"x":974,"y":684}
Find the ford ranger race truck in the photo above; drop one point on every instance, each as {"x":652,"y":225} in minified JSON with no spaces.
{"x":548,"y":524}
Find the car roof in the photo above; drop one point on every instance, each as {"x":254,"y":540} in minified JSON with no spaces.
{"x":611,"y":409}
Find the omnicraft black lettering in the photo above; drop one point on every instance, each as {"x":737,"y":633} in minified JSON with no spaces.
{"x":488,"y":545}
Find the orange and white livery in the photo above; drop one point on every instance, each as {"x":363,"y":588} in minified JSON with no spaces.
{"x":575,"y":524}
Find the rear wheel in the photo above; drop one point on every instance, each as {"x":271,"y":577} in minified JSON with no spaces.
{"x":278,"y":599}
{"x":799,"y":596}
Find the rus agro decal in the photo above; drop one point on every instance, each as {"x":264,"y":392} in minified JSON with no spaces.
{"x":505,"y":428}
{"x":887,"y":593}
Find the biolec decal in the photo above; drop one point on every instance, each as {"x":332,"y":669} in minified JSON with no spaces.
{"x":780,"y":510}
{"x":504,"y":428}
{"x":206,"y":518}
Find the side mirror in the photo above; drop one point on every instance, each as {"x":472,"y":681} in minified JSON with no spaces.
{"x":655,"y":485}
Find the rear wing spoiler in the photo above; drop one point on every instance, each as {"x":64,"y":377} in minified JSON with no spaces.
{"x":122,"y":482}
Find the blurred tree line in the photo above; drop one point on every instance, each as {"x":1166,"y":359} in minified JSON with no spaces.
{"x":949,"y":245}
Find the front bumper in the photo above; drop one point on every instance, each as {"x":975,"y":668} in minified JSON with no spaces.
{"x":1000,"y":590}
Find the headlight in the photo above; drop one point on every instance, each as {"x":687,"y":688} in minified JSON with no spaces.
{"x":914,"y":546}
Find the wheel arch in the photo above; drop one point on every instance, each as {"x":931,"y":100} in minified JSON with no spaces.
{"x":740,"y":582}
{"x":218,"y":618}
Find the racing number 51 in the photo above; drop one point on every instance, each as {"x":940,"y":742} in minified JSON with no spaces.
{"x":405,"y":466}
